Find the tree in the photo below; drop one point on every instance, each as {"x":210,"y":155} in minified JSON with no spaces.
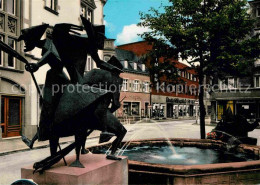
{"x":213,"y":35}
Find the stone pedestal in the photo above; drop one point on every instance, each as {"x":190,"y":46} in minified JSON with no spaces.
{"x":98,"y":170}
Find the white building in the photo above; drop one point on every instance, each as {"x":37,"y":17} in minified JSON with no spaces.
{"x":14,"y":16}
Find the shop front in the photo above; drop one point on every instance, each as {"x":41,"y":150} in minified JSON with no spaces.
{"x":247,"y":108}
{"x":177,"y":107}
{"x":134,"y":105}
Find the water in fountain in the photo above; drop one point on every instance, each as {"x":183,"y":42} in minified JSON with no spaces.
{"x":173,"y":154}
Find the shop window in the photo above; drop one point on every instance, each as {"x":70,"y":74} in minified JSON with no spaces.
{"x":131,"y":108}
{"x":125,"y":84}
{"x":127,"y":108}
{"x":11,"y":59}
{"x":135,"y":108}
{"x":10,"y":6}
{"x":136,"y":85}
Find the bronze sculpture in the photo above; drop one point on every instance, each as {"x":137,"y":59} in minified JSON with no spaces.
{"x":65,"y":112}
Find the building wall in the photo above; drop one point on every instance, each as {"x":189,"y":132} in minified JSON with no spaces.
{"x":129,"y":97}
{"x":14,"y":81}
{"x":160,"y":106}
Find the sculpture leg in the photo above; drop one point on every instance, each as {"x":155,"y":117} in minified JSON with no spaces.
{"x":79,"y":138}
{"x":116,"y":144}
{"x":29,"y":142}
{"x":101,"y":115}
{"x":116,"y":127}
{"x":83,"y":149}
{"x":54,"y":141}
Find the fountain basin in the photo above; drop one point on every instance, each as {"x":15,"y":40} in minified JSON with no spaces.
{"x":246,"y":172}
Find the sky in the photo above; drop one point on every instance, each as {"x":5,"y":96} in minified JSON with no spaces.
{"x":121,"y":17}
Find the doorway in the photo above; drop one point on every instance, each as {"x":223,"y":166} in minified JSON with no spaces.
{"x":11,"y":117}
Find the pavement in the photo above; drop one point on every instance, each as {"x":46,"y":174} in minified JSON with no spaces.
{"x":15,"y":144}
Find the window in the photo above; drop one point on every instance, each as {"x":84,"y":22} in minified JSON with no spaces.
{"x":145,"y":86}
{"x":11,"y":59}
{"x":232,"y":83}
{"x":136,"y":85}
{"x":1,"y":53}
{"x":135,"y":66}
{"x":83,"y":10}
{"x":125,"y":84}
{"x":143,"y":67}
{"x":258,"y":11}
{"x":51,"y":4}
{"x":257,"y":81}
{"x":1,"y":4}
{"x":89,"y":63}
{"x":89,"y":15}
{"x":87,"y":12}
{"x":125,"y":64}
{"x":10,"y":6}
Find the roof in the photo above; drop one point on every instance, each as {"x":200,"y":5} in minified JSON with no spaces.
{"x":128,"y":56}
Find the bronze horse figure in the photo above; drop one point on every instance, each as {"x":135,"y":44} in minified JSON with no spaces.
{"x":72,"y":112}
{"x":88,"y":120}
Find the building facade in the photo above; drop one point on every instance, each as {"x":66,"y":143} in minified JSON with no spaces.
{"x":14,"y":81}
{"x":135,"y":93}
{"x":169,"y":99}
{"x":241,"y":95}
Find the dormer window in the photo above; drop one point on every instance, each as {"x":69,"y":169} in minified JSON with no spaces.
{"x":126,"y":64}
{"x":143,"y":67}
{"x":135,"y":66}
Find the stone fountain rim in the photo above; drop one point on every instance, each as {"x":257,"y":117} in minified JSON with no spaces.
{"x":193,"y":170}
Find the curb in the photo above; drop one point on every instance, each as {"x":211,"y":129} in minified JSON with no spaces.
{"x":38,"y":147}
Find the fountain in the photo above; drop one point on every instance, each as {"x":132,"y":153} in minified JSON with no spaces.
{"x":198,"y":161}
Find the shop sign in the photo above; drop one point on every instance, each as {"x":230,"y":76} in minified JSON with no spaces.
{"x":179,"y":101}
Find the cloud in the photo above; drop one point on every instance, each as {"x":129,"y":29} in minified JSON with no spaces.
{"x":109,"y":26}
{"x":130,"y":34}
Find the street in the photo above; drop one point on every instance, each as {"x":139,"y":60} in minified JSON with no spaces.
{"x":10,"y":166}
